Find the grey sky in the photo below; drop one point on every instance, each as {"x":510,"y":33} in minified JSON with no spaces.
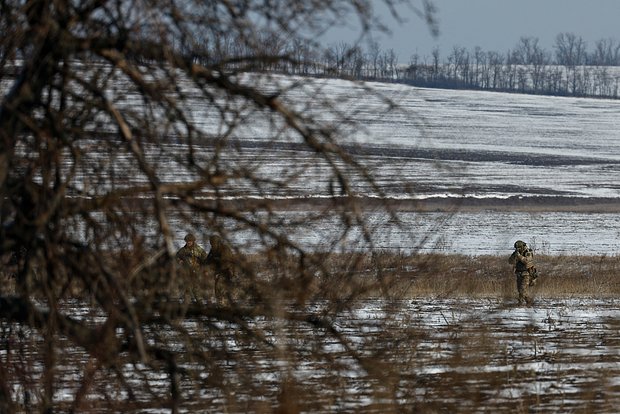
{"x":497,"y":25}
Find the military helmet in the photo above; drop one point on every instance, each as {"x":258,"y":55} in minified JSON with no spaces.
{"x":520,"y":244}
{"x":190,"y":237}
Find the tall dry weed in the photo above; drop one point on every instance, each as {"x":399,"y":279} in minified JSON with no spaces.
{"x":447,"y":275}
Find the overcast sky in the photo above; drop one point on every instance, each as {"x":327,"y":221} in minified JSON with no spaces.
{"x":497,"y":25}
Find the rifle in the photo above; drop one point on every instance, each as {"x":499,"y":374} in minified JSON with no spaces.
{"x":533,"y":275}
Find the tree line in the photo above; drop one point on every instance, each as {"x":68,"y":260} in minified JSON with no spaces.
{"x":569,"y":69}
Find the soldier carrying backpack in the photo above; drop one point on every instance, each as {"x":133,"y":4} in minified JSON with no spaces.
{"x":523,"y":261}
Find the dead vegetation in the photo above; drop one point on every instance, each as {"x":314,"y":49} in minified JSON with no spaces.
{"x":492,"y":276}
{"x":361,"y":275}
{"x":451,"y":275}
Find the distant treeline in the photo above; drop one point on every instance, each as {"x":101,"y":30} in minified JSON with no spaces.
{"x":570,"y":69}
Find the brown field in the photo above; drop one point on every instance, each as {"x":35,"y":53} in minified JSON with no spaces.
{"x":492,"y":276}
{"x":458,"y":276}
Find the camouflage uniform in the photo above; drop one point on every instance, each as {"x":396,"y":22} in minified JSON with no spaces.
{"x":192,"y":258}
{"x":523,"y":260}
{"x":222,"y":259}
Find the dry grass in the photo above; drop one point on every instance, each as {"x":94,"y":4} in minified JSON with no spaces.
{"x":560,"y":276}
{"x":442,"y":275}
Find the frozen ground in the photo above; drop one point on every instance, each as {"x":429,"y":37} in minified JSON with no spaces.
{"x":446,"y":355}
{"x":446,"y":145}
{"x":442,"y":146}
{"x":551,"y":358}
{"x":491,"y":146}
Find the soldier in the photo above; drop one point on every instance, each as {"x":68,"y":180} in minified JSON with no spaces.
{"x":523,"y":261}
{"x":222,"y":259}
{"x":193,"y":259}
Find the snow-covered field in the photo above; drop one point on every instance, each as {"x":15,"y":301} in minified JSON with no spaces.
{"x":449,"y":145}
{"x":495,"y":146}
{"x":435,"y":145}
{"x":438,"y":145}
{"x":442,"y":355}
{"x":486,"y":356}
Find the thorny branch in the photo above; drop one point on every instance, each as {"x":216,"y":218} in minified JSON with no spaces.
{"x":120,"y":131}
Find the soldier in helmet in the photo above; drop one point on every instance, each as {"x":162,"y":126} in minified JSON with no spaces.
{"x":192,"y":259}
{"x":222,"y":260}
{"x":523,"y":261}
